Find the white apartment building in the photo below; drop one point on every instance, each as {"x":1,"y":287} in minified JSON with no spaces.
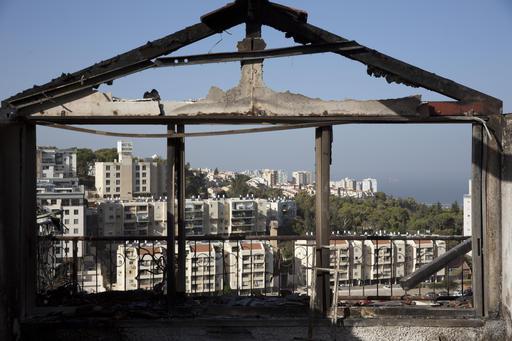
{"x":218,"y":209}
{"x":56,"y":163}
{"x":350,"y":262}
{"x":282,"y":176}
{"x":203,"y":268}
{"x":384,"y":261}
{"x":249,"y":266}
{"x":302,"y":178}
{"x":369,"y":261}
{"x":90,"y":278}
{"x":425,"y":251}
{"x":466,"y":207}
{"x":242,"y":217}
{"x":140,"y":266}
{"x":127,"y":177}
{"x":71,"y":202}
{"x":131,"y":218}
{"x":202,"y":217}
{"x":196,"y":217}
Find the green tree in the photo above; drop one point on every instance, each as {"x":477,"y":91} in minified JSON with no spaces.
{"x":106,"y":154}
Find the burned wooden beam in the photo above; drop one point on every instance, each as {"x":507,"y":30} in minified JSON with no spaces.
{"x":427,"y":270}
{"x":379,"y":64}
{"x":106,"y":71}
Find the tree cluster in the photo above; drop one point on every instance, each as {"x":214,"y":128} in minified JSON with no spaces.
{"x":381,"y":212}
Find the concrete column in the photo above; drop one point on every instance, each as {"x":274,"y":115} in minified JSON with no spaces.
{"x":18,"y":230}
{"x":492,"y":234}
{"x":171,"y":230}
{"x":476,"y":217}
{"x":180,"y":180}
{"x":323,"y":143}
{"x":506,"y":221}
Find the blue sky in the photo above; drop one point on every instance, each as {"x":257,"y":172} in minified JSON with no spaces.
{"x":468,"y":41}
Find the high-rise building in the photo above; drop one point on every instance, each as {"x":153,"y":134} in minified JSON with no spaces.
{"x":127,"y":177}
{"x":302,"y":178}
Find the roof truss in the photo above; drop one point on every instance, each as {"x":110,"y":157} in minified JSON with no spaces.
{"x":253,"y":13}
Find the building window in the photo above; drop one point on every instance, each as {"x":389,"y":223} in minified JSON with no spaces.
{"x":75,"y":231}
{"x":118,"y":182}
{"x":118,"y":189}
{"x":107,"y":175}
{"x":118,"y":167}
{"x":144,"y":181}
{"x":143,"y":174}
{"x":143,"y":188}
{"x":144,"y":167}
{"x":75,"y":221}
{"x":54,"y":201}
{"x":75,"y":212}
{"x":66,"y":212}
{"x":118,"y":175}
{"x":137,"y":175}
{"x":107,"y":189}
{"x":108,"y":182}
{"x":66,"y":221}
{"x":107,"y":168}
{"x":75,"y":202}
{"x":137,"y":182}
{"x":137,"y":167}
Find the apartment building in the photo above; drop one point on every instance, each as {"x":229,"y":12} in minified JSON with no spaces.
{"x":347,"y":256}
{"x":423,"y":252}
{"x":131,"y":218}
{"x":203,"y":268}
{"x":56,"y":163}
{"x":141,"y":265}
{"x":218,"y":209}
{"x":196,"y":217}
{"x":369,"y":261}
{"x":242,"y":217}
{"x":128,"y":177}
{"x":384,"y":260}
{"x":302,"y":178}
{"x":71,"y":202}
{"x":249,"y":266}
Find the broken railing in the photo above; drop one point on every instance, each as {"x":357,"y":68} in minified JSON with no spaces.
{"x":362,"y":268}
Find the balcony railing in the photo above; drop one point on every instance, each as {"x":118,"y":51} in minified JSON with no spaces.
{"x":218,"y":265}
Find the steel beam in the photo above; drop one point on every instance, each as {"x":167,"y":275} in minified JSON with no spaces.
{"x":425,"y":271}
{"x":323,"y":145}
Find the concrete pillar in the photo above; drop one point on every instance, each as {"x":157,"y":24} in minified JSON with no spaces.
{"x":477,"y":191}
{"x":492,"y":234}
{"x":18,"y":231}
{"x":180,"y":181}
{"x":323,"y":143}
{"x":171,"y":230}
{"x":506,"y":221}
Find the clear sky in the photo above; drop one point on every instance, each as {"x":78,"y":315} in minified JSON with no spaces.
{"x":468,"y":41}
